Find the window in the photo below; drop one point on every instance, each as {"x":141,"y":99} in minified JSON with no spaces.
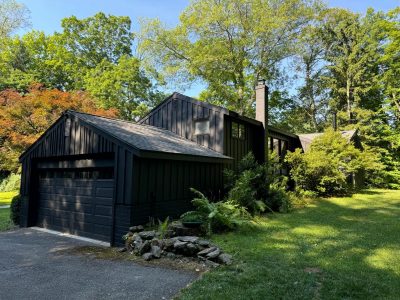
{"x":201,"y":127}
{"x":67,"y":127}
{"x":238,"y":131}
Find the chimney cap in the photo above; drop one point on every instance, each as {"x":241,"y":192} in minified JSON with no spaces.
{"x":260,"y":81}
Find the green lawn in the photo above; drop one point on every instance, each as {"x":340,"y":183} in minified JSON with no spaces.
{"x":5,"y":197}
{"x":338,"y":248}
{"x":5,"y":222}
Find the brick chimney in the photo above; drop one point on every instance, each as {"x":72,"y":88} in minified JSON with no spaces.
{"x":262,"y":111}
{"x":262,"y":102}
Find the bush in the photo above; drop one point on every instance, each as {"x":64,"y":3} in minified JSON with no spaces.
{"x":259,"y":187}
{"x":15,"y":209}
{"x":248,"y":185}
{"x":218,"y":216}
{"x":325,"y":167}
{"x":10,"y":183}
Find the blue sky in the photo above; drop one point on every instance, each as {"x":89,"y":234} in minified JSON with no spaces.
{"x":47,"y":14}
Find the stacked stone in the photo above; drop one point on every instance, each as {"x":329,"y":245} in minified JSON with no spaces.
{"x":151,"y":245}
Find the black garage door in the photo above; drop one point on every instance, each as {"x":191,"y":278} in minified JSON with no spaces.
{"x":77,"y":201}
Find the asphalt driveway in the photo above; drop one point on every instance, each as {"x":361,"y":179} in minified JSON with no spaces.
{"x":33,"y":267}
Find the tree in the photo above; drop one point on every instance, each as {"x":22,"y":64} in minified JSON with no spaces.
{"x":391,"y":62}
{"x":227,"y":45}
{"x":23,"y":118}
{"x":123,"y":86}
{"x":311,"y":104}
{"x":97,"y":38}
{"x":324,"y":168}
{"x":13,"y":15}
{"x":92,"y":54}
{"x":351,"y":44}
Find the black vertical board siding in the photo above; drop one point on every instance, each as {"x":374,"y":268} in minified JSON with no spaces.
{"x":172,"y":196}
{"x":189,"y":120}
{"x":173,"y":113}
{"x":128,"y":180}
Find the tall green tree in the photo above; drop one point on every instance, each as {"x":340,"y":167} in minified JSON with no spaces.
{"x":92,"y":54}
{"x":391,"y":63}
{"x":227,"y":45}
{"x":311,"y":100}
{"x":352,"y":43}
{"x":13,"y":16}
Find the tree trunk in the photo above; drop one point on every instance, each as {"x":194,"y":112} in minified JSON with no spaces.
{"x":348,"y":98}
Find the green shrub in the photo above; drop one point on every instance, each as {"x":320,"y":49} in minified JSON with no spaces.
{"x":325,"y":167}
{"x":217,"y":216}
{"x":248,"y":185}
{"x":10,"y":183}
{"x":15,"y":209}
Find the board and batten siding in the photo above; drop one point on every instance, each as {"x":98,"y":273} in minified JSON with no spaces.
{"x":161,"y":188}
{"x":143,"y":188}
{"x":178,"y":114}
{"x":81,"y":141}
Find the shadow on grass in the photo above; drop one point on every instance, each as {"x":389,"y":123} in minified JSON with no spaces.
{"x":333,"y":249}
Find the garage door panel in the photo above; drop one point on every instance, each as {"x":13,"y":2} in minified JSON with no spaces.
{"x":102,"y":210}
{"x":104,"y":192}
{"x":81,"y":206}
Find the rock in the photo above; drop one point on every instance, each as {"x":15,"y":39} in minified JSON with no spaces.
{"x":123,"y":249}
{"x":144,"y":247}
{"x":214,"y":254}
{"x":147,"y":256}
{"x":137,"y":242}
{"x":211,"y":264}
{"x":224,"y":259}
{"x":129,"y":234}
{"x":168,"y":244}
{"x":155,"y":242}
{"x":191,"y":249}
{"x":170,"y":255}
{"x":178,"y":245}
{"x":147,"y":235}
{"x":206,"y":251}
{"x":203,"y":243}
{"x":191,"y":239}
{"x":134,"y":229}
{"x":180,"y":230}
{"x":156,"y":251}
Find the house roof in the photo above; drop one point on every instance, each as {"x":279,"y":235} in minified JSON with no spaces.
{"x":148,"y":138}
{"x":306,"y":139}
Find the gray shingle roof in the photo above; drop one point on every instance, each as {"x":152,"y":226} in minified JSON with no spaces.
{"x":306,"y":139}
{"x":148,"y":138}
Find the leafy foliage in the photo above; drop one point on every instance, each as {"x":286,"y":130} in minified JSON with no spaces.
{"x":324,"y":168}
{"x":217,"y":216}
{"x":10,"y":183}
{"x":13,"y":15}
{"x":23,"y":118}
{"x":15,"y":209}
{"x":92,"y":54}
{"x":227,"y":45}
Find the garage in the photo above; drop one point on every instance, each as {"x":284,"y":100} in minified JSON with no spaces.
{"x":76,"y":201}
{"x":95,"y":177}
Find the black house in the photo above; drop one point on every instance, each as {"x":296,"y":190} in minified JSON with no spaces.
{"x":94,"y":176}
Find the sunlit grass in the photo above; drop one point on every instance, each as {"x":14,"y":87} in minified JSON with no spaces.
{"x":6,"y":197}
{"x":333,"y":249}
{"x":5,"y":222}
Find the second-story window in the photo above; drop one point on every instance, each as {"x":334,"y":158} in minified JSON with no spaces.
{"x":201,"y":127}
{"x":238,"y":131}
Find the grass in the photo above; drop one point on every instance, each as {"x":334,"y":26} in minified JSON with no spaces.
{"x":5,"y":222}
{"x":337,"y":248}
{"x":6,"y":197}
